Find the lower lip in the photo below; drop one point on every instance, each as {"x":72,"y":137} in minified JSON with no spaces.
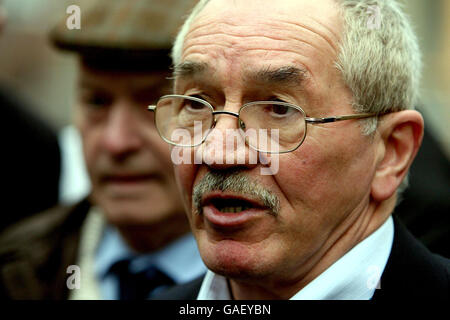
{"x":230,"y":219}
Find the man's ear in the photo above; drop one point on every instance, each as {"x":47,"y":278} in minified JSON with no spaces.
{"x":401,"y":135}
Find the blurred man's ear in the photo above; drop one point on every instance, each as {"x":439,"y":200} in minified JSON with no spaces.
{"x":401,"y":135}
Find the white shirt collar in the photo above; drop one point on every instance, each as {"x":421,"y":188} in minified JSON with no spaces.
{"x":355,"y":276}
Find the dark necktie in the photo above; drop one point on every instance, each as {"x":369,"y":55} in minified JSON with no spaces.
{"x":140,"y":285}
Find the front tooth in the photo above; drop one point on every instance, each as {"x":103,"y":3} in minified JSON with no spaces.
{"x":234,"y":209}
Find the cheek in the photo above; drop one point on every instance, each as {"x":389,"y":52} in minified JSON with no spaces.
{"x":184,"y":175}
{"x":89,"y":139}
{"x":317,"y":177}
{"x":313,"y":200}
{"x":298,"y":177}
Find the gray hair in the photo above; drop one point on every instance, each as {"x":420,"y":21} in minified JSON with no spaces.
{"x":380,"y":61}
{"x":379,"y":57}
{"x":177,"y":47}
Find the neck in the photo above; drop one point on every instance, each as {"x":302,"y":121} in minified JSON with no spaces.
{"x":151,"y":237}
{"x":346,"y":236}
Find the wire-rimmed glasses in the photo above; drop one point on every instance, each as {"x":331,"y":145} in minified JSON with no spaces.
{"x":266,"y":126}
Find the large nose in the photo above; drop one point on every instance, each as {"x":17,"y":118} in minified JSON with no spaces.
{"x":225,"y":147}
{"x":122,"y":133}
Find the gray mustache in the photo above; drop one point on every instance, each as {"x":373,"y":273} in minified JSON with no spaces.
{"x":234,"y":181}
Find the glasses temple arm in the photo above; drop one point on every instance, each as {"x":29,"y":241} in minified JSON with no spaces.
{"x":151,"y":108}
{"x":340,"y":118}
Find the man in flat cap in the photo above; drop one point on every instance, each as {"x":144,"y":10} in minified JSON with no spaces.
{"x":130,"y":239}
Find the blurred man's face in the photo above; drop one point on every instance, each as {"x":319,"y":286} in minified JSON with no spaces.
{"x":128,"y":163}
{"x":243,"y":49}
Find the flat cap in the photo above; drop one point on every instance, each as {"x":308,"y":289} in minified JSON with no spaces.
{"x":112,"y":31}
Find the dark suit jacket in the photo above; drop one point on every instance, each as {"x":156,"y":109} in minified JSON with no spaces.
{"x":412,"y":272}
{"x":35,"y":254}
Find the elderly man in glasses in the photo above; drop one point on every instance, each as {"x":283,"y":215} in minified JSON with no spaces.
{"x":330,"y":96}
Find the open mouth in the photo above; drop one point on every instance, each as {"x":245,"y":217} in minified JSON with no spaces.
{"x":231,"y":205}
{"x":226,"y":211}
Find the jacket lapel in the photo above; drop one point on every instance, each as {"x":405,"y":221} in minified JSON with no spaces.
{"x":412,"y":271}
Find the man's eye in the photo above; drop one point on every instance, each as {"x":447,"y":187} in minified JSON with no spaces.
{"x":193,"y":105}
{"x":280,"y":110}
{"x":96,"y":100}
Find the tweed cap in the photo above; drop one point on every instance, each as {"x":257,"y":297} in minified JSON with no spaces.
{"x":119,"y":31}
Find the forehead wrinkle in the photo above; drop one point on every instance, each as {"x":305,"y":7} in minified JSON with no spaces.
{"x":227,"y":41}
{"x":276,"y":22}
{"x":230,"y":24}
{"x":332,"y":43}
{"x":195,"y":46}
{"x":198,"y":42}
{"x":227,"y":33}
{"x":238,"y":31}
{"x":230,"y":40}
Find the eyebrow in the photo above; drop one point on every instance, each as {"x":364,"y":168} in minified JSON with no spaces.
{"x":189,"y":69}
{"x":286,"y":75}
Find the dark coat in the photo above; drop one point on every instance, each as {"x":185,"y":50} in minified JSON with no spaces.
{"x":35,"y":254}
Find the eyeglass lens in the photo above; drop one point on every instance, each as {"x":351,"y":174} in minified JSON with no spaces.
{"x":266,"y":126}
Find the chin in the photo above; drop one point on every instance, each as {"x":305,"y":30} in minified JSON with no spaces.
{"x":128,"y":213}
{"x":233,"y":259}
